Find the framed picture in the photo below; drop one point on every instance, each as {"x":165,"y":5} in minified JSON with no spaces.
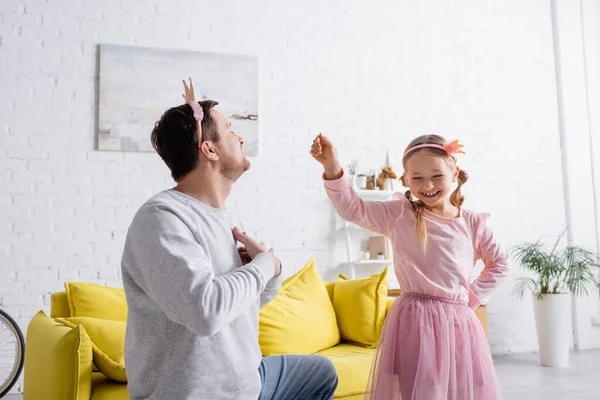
{"x":137,"y":85}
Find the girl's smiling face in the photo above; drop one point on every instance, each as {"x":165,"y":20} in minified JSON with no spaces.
{"x":430,"y":178}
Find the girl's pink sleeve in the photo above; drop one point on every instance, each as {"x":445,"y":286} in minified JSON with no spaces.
{"x":376,"y":216}
{"x":495,"y":260}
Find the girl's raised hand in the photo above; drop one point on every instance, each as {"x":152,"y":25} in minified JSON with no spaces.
{"x":323,"y":151}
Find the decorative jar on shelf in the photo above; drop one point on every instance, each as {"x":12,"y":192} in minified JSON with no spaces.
{"x":360,"y":181}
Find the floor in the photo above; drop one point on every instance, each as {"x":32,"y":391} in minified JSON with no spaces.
{"x":522,"y":378}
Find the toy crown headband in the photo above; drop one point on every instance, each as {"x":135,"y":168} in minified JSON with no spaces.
{"x":191,"y":101}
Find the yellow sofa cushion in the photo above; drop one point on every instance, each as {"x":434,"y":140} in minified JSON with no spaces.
{"x":353,"y":365}
{"x":330,"y":286}
{"x":58,"y":361}
{"x":59,"y":305}
{"x":389,"y":304}
{"x":104,"y":388}
{"x":300,"y":319}
{"x":360,"y":306}
{"x":108,"y":344}
{"x":96,"y":301}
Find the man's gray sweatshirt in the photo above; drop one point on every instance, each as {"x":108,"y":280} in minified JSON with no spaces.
{"x":192,"y":328}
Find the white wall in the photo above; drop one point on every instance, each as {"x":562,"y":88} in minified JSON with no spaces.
{"x":574,"y":25}
{"x":370,"y":76}
{"x":591,"y":36}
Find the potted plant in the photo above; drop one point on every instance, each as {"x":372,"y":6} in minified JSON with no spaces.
{"x":352,"y":171}
{"x":361,"y":181}
{"x":559,"y":273}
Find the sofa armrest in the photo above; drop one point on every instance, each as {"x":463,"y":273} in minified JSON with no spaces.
{"x":392,"y":294}
{"x":482,"y":316}
{"x":388,"y":305}
{"x":58,"y":361}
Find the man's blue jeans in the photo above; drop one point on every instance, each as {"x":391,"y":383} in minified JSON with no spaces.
{"x":296,"y":377}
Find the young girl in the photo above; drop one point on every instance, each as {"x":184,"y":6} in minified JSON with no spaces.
{"x":432,"y":345}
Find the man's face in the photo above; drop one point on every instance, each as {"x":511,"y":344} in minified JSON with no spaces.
{"x":230,"y":149}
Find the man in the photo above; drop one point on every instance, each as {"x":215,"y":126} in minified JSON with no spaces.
{"x":193,"y":295}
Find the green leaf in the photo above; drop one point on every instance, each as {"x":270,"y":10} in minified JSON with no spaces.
{"x":524,"y":285}
{"x":569,"y":268}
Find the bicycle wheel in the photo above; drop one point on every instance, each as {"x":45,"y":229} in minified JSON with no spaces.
{"x":12,"y":352}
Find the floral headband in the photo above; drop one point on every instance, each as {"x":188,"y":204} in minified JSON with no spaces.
{"x":452,"y":148}
{"x":191,"y":101}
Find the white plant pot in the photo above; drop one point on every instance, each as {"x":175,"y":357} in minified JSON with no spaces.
{"x":361,"y":182}
{"x":552,"y":321}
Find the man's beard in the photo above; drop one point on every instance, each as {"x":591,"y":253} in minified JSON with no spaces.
{"x":234,"y":169}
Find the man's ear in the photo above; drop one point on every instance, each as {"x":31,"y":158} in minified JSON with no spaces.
{"x":208,"y":149}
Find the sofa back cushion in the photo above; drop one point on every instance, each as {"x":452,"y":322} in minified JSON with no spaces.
{"x":360,"y":306}
{"x":300,"y":319}
{"x":96,"y":301}
{"x":59,"y":305}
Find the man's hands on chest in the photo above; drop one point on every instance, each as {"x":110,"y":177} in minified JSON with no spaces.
{"x":252,"y":247}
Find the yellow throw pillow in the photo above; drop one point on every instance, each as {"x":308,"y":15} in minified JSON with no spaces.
{"x":300,"y":319}
{"x":360,"y":307}
{"x":96,"y":301}
{"x":58,"y":361}
{"x":330,"y":286}
{"x":108,"y":344}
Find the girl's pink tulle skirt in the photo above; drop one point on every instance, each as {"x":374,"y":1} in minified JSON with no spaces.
{"x":432,"y":349}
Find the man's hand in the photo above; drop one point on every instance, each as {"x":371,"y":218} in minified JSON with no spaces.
{"x":323,"y":151}
{"x":251,"y":248}
{"x":244,"y":255}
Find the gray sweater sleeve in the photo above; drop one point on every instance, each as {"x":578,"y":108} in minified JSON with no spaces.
{"x":177,"y":274}
{"x":271,"y":290}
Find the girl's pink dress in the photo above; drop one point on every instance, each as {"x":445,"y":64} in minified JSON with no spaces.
{"x":432,"y":345}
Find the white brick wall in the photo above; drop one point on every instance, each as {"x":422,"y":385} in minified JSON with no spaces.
{"x":578,"y":47}
{"x":370,"y":75}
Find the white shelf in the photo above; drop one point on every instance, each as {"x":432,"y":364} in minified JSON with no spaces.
{"x":351,"y":228}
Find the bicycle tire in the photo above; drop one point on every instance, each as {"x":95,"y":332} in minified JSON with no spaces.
{"x":20,"y":353}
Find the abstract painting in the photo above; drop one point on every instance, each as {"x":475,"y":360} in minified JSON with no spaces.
{"x":137,"y":85}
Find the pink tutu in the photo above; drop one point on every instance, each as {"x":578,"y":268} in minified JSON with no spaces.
{"x":432,"y":349}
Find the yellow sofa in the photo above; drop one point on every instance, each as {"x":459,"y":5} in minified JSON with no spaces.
{"x":59,"y":362}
